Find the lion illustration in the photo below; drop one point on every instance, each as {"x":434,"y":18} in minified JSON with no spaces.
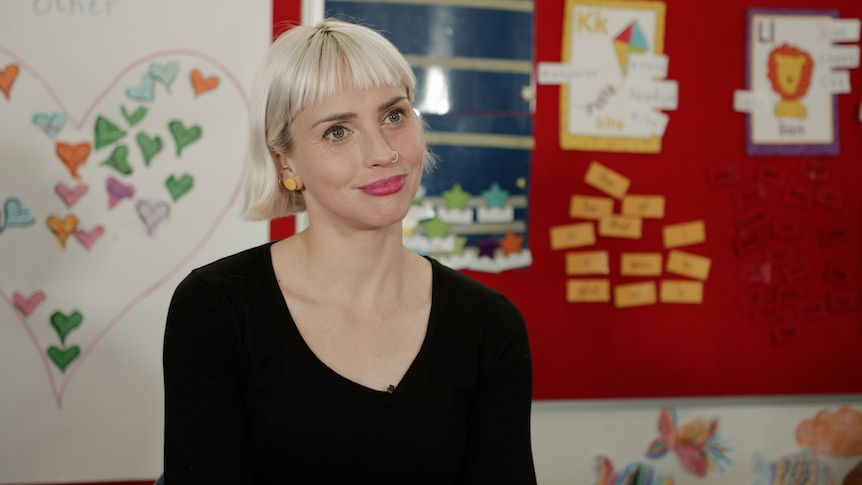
{"x":789,"y":72}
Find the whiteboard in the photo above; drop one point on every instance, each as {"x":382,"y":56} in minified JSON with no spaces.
{"x":122,"y":143}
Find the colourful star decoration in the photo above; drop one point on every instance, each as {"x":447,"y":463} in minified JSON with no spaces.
{"x":511,"y":244}
{"x":456,"y":198}
{"x":435,"y":227}
{"x":495,"y":196}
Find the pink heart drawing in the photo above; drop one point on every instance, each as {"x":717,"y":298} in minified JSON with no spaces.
{"x":70,"y":195}
{"x":27,"y":305}
{"x":116,"y":234}
{"x":88,"y":238}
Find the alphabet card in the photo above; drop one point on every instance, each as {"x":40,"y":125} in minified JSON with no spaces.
{"x":797,"y":64}
{"x":613,"y":86}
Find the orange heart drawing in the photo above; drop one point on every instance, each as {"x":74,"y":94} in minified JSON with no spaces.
{"x":201,"y":84}
{"x":73,"y":155}
{"x":7,"y":77}
{"x":63,"y":228}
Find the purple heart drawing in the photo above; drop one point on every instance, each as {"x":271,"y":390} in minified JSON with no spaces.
{"x":118,"y":191}
{"x":111,"y":235}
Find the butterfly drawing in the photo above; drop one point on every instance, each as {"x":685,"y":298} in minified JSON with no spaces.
{"x":698,"y":446}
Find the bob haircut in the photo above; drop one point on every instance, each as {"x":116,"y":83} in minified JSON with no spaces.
{"x":304,"y":66}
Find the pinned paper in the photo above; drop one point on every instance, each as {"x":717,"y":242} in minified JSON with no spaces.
{"x":640,"y":264}
{"x":690,"y":292}
{"x":751,"y":102}
{"x":655,"y":122}
{"x":606,"y":180}
{"x":646,"y":206}
{"x":684,"y":234}
{"x":689,"y":265}
{"x":620,"y":226}
{"x":590,"y":207}
{"x":839,"y":57}
{"x":835,"y":82}
{"x":554,"y":73}
{"x":839,"y":30}
{"x":647,"y":65}
{"x":573,"y":235}
{"x":635,"y":294}
{"x":588,"y":291}
{"x":662,"y":95}
{"x":587,"y":262}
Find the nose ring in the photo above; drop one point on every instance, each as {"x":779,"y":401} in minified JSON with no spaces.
{"x":396,"y":157}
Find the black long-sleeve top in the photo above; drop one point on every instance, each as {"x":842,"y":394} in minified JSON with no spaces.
{"x":247,"y":402}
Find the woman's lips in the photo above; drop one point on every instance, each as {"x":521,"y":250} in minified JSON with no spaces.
{"x":385,"y":186}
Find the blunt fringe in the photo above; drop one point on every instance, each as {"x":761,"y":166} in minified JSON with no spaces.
{"x":304,"y":66}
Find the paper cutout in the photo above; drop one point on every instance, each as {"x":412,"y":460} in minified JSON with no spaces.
{"x":640,"y":264}
{"x":634,"y":294}
{"x":573,"y":235}
{"x":647,"y":206}
{"x":689,"y":265}
{"x":587,"y":262}
{"x":588,"y":291}
{"x":698,"y":445}
{"x":606,"y":180}
{"x":620,"y":226}
{"x":589,"y":207}
{"x":684,"y":234}
{"x":687,"y":292}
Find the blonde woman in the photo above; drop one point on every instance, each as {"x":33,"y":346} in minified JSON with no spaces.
{"x":338,"y":353}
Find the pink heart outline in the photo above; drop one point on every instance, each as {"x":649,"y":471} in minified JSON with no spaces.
{"x":59,"y":390}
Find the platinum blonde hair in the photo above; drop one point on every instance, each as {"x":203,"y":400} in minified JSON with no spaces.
{"x":304,"y":66}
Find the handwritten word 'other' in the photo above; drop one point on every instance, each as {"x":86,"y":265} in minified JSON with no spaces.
{"x":93,"y":8}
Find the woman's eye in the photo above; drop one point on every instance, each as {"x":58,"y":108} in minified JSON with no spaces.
{"x":395,"y":116}
{"x":336,"y":132}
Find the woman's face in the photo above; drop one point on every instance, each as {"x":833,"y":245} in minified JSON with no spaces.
{"x":343,"y":157}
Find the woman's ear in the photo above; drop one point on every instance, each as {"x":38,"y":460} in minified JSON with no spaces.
{"x":284,"y":168}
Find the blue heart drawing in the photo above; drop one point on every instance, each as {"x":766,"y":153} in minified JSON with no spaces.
{"x":50,"y":123}
{"x":144,"y":91}
{"x":16,"y":214}
{"x":165,"y":73}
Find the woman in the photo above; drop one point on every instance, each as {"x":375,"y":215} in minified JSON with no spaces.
{"x":338,"y":353}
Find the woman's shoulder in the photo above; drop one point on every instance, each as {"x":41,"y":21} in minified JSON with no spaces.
{"x":252,"y":266}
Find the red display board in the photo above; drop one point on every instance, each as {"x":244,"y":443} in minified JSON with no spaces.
{"x":779,"y":316}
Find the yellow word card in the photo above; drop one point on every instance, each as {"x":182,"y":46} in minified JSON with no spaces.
{"x":634,"y":294}
{"x":606,"y":180}
{"x":588,"y":290}
{"x":684,"y":234}
{"x":573,"y":235}
{"x":681,"y":292}
{"x":619,"y":226}
{"x":587,"y":262}
{"x":590,"y":207}
{"x":646,"y":206}
{"x":640,"y":264}
{"x":686,"y":264}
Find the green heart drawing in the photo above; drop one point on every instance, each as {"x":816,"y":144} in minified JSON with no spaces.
{"x":107,"y":132}
{"x":138,"y":115}
{"x":118,"y":160}
{"x":183,"y":136}
{"x":62,"y":358}
{"x":179,"y":186}
{"x":64,"y":324}
{"x":150,"y":146}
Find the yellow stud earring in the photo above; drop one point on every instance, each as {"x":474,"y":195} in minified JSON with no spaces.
{"x":289,"y":184}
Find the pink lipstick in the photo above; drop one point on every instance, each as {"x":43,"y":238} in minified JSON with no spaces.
{"x":385,"y":186}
